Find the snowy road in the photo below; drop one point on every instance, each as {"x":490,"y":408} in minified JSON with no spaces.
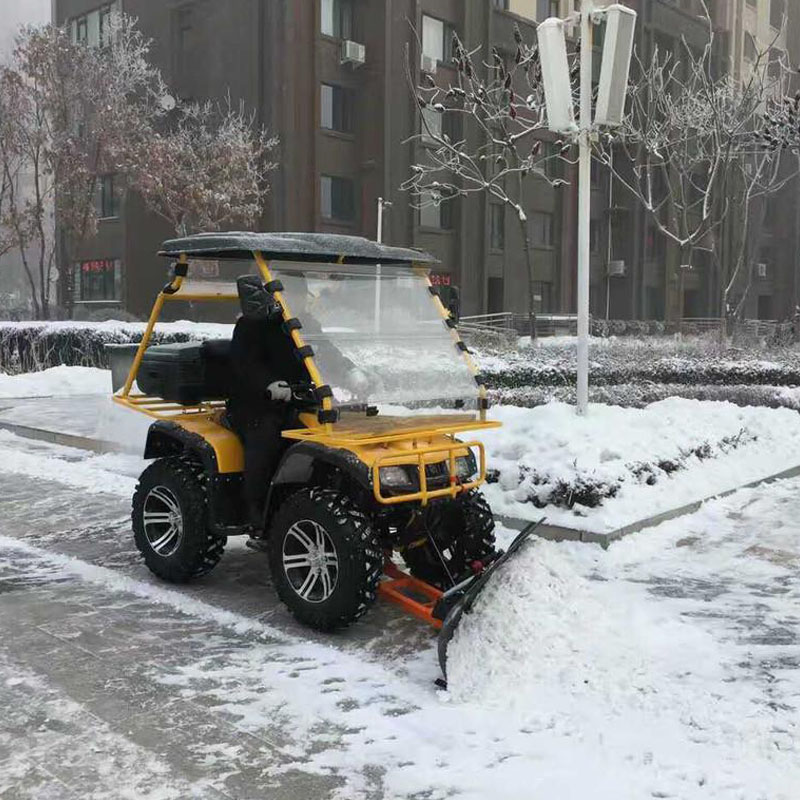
{"x":666,"y":667}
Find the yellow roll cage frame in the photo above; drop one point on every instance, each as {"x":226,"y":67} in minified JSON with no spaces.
{"x":410,"y":441}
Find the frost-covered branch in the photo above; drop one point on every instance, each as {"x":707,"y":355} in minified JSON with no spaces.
{"x":485,"y":133}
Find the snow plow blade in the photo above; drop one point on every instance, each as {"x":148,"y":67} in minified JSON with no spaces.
{"x":456,"y":602}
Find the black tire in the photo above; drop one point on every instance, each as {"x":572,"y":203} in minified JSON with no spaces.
{"x":194,"y":550}
{"x":350,"y":587}
{"x":463,"y":532}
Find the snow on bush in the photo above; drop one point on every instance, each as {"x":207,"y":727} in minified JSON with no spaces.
{"x":616,"y":465}
{"x":32,"y":346}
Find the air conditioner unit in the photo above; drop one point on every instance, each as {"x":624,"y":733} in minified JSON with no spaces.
{"x":761,"y":270}
{"x":353,"y":53}
{"x":616,"y":269}
{"x":429,"y":64}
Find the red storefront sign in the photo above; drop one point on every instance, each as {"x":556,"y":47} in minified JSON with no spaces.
{"x":440,"y":278}
{"x":98,"y":265}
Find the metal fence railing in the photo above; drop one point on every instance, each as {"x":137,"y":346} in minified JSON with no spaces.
{"x":508,"y":325}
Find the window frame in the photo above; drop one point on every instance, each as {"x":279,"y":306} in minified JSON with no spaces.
{"x":107,"y":198}
{"x":341,"y":11}
{"x":447,"y":39}
{"x":340,"y":180}
{"x":497,"y":227}
{"x":112,"y":281}
{"x":443,"y":212}
{"x":346,"y":108}
{"x":548,"y":242}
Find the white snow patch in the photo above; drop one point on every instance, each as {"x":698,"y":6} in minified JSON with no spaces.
{"x":561,"y":446}
{"x":69,"y":467}
{"x":56,"y":382}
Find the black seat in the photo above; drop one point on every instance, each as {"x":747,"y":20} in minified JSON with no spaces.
{"x":217,"y":368}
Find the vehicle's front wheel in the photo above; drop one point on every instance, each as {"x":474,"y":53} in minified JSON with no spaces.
{"x":457,"y":533}
{"x":325,"y":558}
{"x":170,"y":524}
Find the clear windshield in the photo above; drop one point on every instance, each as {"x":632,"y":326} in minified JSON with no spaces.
{"x":377,"y":334}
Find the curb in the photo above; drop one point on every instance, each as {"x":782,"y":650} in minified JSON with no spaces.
{"x":559,"y":533}
{"x":65,"y":439}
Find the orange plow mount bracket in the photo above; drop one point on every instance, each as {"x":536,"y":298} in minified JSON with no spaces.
{"x":411,"y":594}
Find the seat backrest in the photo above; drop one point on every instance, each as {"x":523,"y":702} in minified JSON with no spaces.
{"x":217,"y":364}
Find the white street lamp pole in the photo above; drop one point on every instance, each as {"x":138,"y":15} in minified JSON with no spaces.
{"x":381,"y":205}
{"x":584,"y":205}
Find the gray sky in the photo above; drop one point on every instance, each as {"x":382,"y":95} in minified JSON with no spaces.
{"x":14,"y":13}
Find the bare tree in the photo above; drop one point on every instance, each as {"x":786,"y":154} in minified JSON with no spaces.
{"x":208,"y":169}
{"x":484,"y":135}
{"x":79,"y":113}
{"x":690,"y":153}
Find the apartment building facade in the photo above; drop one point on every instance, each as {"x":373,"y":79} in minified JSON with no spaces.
{"x":328,"y":78}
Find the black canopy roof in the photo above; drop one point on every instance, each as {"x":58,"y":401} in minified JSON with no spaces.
{"x":314,"y":247}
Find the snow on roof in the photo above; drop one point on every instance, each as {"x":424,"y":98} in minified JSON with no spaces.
{"x":318,"y":247}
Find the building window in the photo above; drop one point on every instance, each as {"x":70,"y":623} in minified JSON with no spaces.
{"x":337,"y":18}
{"x":336,"y":108}
{"x":435,"y":212}
{"x":750,"y":51}
{"x":495,"y":300}
{"x":553,"y":165}
{"x":431,"y":125}
{"x":546,"y":9}
{"x":106,"y":197}
{"x":542,"y":232}
{"x":338,"y":198}
{"x":594,"y":237}
{"x":497,"y":226}
{"x":98,"y":280}
{"x":775,"y":64}
{"x":437,"y":38}
{"x":94,"y":27}
{"x":776,"y":13}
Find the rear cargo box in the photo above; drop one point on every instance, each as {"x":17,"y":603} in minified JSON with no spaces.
{"x":185,"y":373}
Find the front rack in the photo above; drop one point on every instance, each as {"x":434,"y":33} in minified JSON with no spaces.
{"x":424,"y":495}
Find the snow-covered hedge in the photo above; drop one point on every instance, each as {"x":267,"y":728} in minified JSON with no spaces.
{"x":617,"y":465}
{"x":32,"y":346}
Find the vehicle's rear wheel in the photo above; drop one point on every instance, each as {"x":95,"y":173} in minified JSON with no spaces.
{"x":170,"y":525}
{"x":325,"y":558}
{"x":457,"y":533}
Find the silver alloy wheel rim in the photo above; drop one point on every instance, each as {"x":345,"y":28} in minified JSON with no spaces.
{"x":163,"y":521}
{"x":310,"y":561}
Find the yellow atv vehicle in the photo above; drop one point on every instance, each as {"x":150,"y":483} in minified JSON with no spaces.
{"x":362,"y":478}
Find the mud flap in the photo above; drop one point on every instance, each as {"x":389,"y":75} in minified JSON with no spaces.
{"x":459,"y":600}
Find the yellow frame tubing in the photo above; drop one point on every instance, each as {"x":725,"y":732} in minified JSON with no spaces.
{"x":424,"y":495}
{"x":311,"y":366}
{"x":456,"y":341}
{"x":174,"y":285}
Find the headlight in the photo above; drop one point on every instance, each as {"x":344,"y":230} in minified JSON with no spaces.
{"x":466,"y":467}
{"x":394,"y":476}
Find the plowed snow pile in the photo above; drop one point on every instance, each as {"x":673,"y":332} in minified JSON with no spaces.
{"x":56,"y":382}
{"x":564,"y":642}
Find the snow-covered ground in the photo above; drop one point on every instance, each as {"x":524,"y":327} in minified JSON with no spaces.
{"x":674,"y":653}
{"x":56,"y":382}
{"x":664,"y":667}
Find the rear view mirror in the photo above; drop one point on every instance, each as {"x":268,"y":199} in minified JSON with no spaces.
{"x":256,"y":302}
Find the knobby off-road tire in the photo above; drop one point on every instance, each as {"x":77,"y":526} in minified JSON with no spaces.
{"x":463,"y":530}
{"x":325,"y":558}
{"x":170,"y":521}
